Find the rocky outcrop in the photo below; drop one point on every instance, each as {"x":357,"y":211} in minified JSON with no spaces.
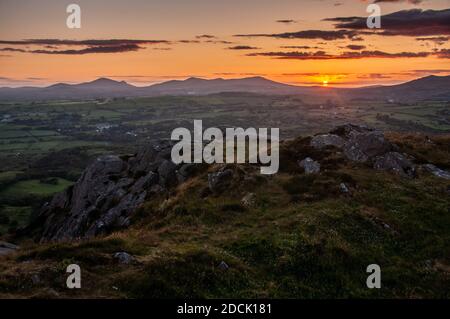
{"x":437,"y":171}
{"x":107,"y":194}
{"x":309,"y":165}
{"x":397,"y":163}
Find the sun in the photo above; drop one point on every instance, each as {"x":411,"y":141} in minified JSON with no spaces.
{"x":325,"y":83}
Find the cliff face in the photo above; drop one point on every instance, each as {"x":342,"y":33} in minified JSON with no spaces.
{"x":112,"y":188}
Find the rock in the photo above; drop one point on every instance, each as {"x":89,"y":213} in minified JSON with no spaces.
{"x":7,"y":248}
{"x":124,"y":258}
{"x":321,"y":141}
{"x":344,"y":189}
{"x":167,"y":173}
{"x":249,"y":200}
{"x":395,"y":162}
{"x":223,"y":266}
{"x":310,"y":166}
{"x":35,"y":279}
{"x":106,"y":195}
{"x":220,"y":180}
{"x":437,"y":171}
{"x":361,"y":146}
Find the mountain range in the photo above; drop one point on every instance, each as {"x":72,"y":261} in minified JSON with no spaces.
{"x":430,"y":87}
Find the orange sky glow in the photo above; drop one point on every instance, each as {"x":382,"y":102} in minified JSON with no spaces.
{"x":211,"y":39}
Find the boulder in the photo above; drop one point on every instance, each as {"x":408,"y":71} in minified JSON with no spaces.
{"x":249,"y":200}
{"x":220,"y":180}
{"x":344,"y":189}
{"x":437,"y":171}
{"x":395,"y":162}
{"x":362,"y":146}
{"x":310,"y":166}
{"x":123,"y":258}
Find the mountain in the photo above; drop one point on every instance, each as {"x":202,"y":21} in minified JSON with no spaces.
{"x":431,"y":87}
{"x":197,"y":86}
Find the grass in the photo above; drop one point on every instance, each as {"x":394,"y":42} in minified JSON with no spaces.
{"x":35,"y":187}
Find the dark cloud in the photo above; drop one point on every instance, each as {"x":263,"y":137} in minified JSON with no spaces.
{"x":218,"y":42}
{"x":206,"y":36}
{"x":436,"y":40}
{"x":286,"y":21}
{"x":415,"y":22}
{"x":303,"y":47}
{"x":355,"y":47}
{"x":443,"y":54}
{"x":409,"y":1}
{"x":12,"y":50}
{"x":57,"y":42}
{"x":92,"y":49}
{"x":243,"y":47}
{"x":308,"y":34}
{"x":322,"y":55}
{"x":190,"y":41}
{"x":58,"y":46}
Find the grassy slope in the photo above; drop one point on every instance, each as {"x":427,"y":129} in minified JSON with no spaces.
{"x":302,"y":239}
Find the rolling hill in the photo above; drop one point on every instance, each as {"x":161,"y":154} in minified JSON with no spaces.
{"x":431,"y":87}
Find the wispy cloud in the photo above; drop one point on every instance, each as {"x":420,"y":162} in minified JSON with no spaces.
{"x":322,"y":55}
{"x":307,"y":34}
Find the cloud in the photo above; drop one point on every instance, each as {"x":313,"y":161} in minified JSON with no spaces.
{"x":355,"y":47}
{"x":414,"y":22}
{"x":107,"y":42}
{"x":243,"y":47}
{"x":409,"y":1}
{"x":93,"y":49}
{"x":308,"y":34}
{"x":218,"y":42}
{"x":436,"y":40}
{"x":206,"y":36}
{"x":286,"y":21}
{"x":12,"y":50}
{"x":443,"y":54}
{"x":58,"y":46}
{"x":322,"y":55}
{"x":304,"y":47}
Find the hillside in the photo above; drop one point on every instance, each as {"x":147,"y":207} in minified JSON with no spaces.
{"x":432,"y":87}
{"x":226,"y":231}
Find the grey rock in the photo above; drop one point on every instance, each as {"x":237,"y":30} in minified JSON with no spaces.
{"x":437,"y":171}
{"x":220,"y":180}
{"x":249,"y":200}
{"x":360,"y":147}
{"x":395,"y":162}
{"x":310,"y":166}
{"x":344,"y":189}
{"x":106,"y":195}
{"x":123,"y":258}
{"x":167,"y":173}
{"x":223,"y":266}
{"x":321,"y":141}
{"x":7,"y":248}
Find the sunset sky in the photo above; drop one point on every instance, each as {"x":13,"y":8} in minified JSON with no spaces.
{"x":310,"y":42}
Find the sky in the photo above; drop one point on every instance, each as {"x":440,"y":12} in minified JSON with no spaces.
{"x":309,"y":42}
